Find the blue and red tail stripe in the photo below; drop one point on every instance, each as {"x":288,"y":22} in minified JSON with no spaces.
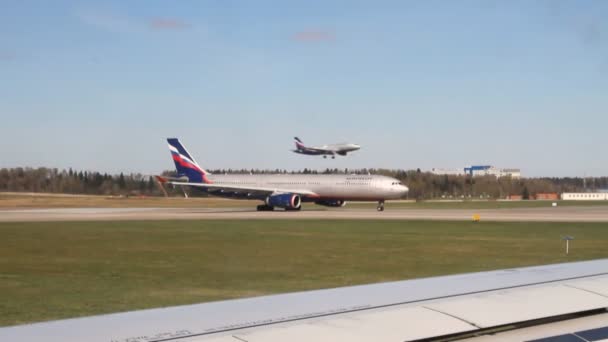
{"x":299,"y":144}
{"x":185,"y":164}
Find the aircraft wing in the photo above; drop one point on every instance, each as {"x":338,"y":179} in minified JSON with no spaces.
{"x":485,"y":304}
{"x":239,"y":188}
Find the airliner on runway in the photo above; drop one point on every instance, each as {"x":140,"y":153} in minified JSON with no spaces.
{"x":286,"y":191}
{"x":325,"y":150}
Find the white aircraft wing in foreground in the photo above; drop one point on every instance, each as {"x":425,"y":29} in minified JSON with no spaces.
{"x":446,"y":308}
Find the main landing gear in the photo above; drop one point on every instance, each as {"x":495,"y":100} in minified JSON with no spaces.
{"x":380,"y":206}
{"x":264,"y":207}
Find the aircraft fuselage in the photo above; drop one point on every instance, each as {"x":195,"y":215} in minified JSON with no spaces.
{"x":337,"y":187}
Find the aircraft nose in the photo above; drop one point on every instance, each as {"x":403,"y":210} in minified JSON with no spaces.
{"x":404,"y":189}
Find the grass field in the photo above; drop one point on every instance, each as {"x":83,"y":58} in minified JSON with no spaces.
{"x":67,"y":269}
{"x":21,"y":201}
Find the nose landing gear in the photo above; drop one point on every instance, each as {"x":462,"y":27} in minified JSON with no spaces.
{"x":380,"y":206}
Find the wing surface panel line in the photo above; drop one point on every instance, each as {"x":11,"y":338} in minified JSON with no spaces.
{"x":586,"y":290}
{"x":453,"y":316}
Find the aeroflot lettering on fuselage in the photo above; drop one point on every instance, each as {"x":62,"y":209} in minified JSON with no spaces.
{"x":327,"y":190}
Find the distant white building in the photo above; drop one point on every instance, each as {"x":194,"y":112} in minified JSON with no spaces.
{"x":449,"y":172}
{"x":513,"y":173}
{"x":585,"y":196}
{"x":479,"y":170}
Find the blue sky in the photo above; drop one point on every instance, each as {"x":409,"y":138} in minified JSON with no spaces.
{"x":420,"y":84}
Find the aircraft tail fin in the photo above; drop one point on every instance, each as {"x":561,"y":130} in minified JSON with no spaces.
{"x":185,"y":163}
{"x":299,"y":143}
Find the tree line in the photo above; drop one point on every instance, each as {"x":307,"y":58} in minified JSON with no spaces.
{"x":422,"y":185}
{"x":52,"y":180}
{"x":425,"y":185}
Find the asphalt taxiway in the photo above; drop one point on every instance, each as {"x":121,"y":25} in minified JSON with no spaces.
{"x":550,"y":214}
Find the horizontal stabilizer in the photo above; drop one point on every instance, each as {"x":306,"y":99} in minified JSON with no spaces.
{"x":166,"y":179}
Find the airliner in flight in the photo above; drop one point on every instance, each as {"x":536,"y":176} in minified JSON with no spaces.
{"x":286,"y":191}
{"x":325,"y":150}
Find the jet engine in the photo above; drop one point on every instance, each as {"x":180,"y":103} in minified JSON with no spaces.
{"x":332,"y":203}
{"x":286,"y":201}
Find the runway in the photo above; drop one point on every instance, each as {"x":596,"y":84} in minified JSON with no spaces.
{"x":551,"y":214}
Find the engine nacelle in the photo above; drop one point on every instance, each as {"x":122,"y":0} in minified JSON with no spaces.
{"x":285,"y":201}
{"x":332,"y":203}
